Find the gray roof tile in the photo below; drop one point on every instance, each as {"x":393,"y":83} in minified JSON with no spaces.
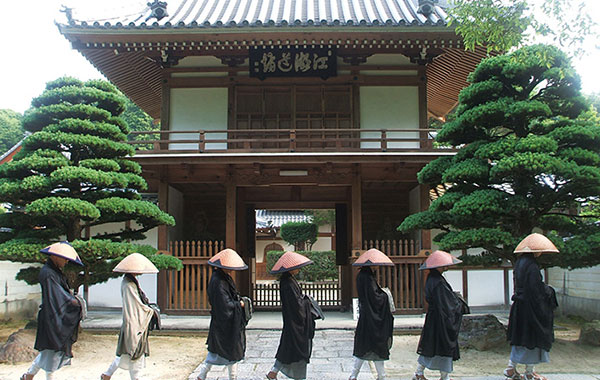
{"x":262,"y":13}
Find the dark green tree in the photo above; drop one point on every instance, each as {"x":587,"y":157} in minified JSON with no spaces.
{"x":11,"y":131}
{"x":73,"y":177}
{"x":526,"y":161}
{"x":302,"y":235}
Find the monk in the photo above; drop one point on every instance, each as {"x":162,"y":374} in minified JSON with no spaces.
{"x":373,"y":335}
{"x":227,"y":332}
{"x":438,"y":346}
{"x":295,"y":345}
{"x":531,"y":321}
{"x":133,"y":345}
{"x":59,"y":315}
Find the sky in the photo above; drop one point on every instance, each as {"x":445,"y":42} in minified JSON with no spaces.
{"x":33,"y":51}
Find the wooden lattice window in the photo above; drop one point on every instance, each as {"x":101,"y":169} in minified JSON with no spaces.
{"x":321,"y":116}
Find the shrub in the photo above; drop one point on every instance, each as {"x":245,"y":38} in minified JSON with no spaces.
{"x":324,"y":267}
{"x":299,"y":234}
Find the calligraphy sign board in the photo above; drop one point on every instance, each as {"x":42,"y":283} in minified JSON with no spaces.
{"x":278,"y":61}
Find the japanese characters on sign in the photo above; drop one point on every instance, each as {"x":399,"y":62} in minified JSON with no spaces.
{"x":268,"y":62}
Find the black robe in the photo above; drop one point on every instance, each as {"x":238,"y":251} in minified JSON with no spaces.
{"x":531,"y":318}
{"x":298,"y":323}
{"x":439,"y":336}
{"x":375,"y":326}
{"x":227,"y":331}
{"x":60,"y":312}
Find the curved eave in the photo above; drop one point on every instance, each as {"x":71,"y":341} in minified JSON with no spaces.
{"x":124,"y":55}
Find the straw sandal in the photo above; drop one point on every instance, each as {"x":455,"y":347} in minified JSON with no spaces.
{"x":26,"y":376}
{"x":418,"y":377}
{"x":534,"y":376}
{"x":512,"y":376}
{"x":105,"y":377}
{"x":271,"y":375}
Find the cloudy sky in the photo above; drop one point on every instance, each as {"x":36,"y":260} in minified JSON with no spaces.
{"x":34,"y":52}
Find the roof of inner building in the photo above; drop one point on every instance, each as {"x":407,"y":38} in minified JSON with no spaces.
{"x":260,"y":13}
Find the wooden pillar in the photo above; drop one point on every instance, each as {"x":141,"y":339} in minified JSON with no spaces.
{"x":424,"y":200}
{"x":506,"y":288}
{"x":230,"y":214}
{"x":165,"y":113}
{"x":162,"y":245}
{"x":465,"y":285}
{"x":422,"y":88}
{"x":356,"y":202}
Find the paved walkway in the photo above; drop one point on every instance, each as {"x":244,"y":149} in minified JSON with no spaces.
{"x":331,"y":359}
{"x":261,"y":321}
{"x":332,"y":351}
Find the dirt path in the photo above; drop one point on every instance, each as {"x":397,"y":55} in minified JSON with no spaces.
{"x":175,"y":357}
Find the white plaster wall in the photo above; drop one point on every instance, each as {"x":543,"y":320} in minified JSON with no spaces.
{"x":389,"y":107}
{"x":194,"y":109}
{"x":577,"y":290}
{"x":584,"y":282}
{"x":485,"y":287}
{"x":17,"y":298}
{"x":108,"y":294}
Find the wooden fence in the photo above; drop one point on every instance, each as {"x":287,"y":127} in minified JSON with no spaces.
{"x":404,"y":278}
{"x":327,"y":293}
{"x":186,"y":289}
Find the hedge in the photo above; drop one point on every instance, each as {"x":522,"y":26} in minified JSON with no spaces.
{"x":324,"y":267}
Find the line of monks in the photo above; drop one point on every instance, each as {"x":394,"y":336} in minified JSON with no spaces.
{"x":530,"y":330}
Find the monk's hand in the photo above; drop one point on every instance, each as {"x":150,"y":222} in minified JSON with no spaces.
{"x":242,"y":303}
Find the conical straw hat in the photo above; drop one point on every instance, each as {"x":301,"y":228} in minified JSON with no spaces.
{"x":536,"y":243}
{"x":63,"y":249}
{"x":373,"y":257}
{"x":439,"y":259}
{"x":290,"y":261}
{"x":135,"y":263}
{"x":228,"y":259}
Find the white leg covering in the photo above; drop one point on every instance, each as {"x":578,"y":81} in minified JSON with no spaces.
{"x":232,"y":369}
{"x":134,"y":373}
{"x":420,"y":370}
{"x":529,"y":368}
{"x":380,"y":368}
{"x":444,"y":375}
{"x":356,"y":368}
{"x":49,"y":375}
{"x":511,"y":364}
{"x":112,"y":367}
{"x":204,"y":368}
{"x":34,"y":369}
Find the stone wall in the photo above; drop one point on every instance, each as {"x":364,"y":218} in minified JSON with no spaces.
{"x":17,"y":299}
{"x":577,"y":291}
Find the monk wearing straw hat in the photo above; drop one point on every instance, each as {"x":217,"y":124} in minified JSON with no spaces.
{"x":373,"y":335}
{"x":227,"y":332}
{"x":59,"y":315}
{"x":133,"y":346}
{"x":295,"y":345}
{"x":531,"y":321}
{"x":438,"y":346}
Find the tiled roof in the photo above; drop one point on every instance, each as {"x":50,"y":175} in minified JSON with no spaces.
{"x":276,"y":218}
{"x":261,"y":13}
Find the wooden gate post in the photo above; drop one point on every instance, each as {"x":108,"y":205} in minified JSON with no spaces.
{"x":162,"y":245}
{"x":356,"y":220}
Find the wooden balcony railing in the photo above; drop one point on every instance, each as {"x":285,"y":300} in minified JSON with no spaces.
{"x":284,"y":140}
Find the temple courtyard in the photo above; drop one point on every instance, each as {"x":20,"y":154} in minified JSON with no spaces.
{"x":177,"y":351}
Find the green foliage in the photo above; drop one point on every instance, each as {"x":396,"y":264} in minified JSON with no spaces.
{"x":324,"y":267}
{"x":99,"y":257}
{"x":11,"y":131}
{"x":502,"y":25}
{"x":299,"y":234}
{"x":73,"y":174}
{"x":492,"y":23}
{"x":321,"y":217}
{"x":527,"y":160}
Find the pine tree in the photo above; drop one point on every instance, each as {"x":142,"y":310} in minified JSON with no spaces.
{"x":73,"y":176}
{"x":528,"y":160}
